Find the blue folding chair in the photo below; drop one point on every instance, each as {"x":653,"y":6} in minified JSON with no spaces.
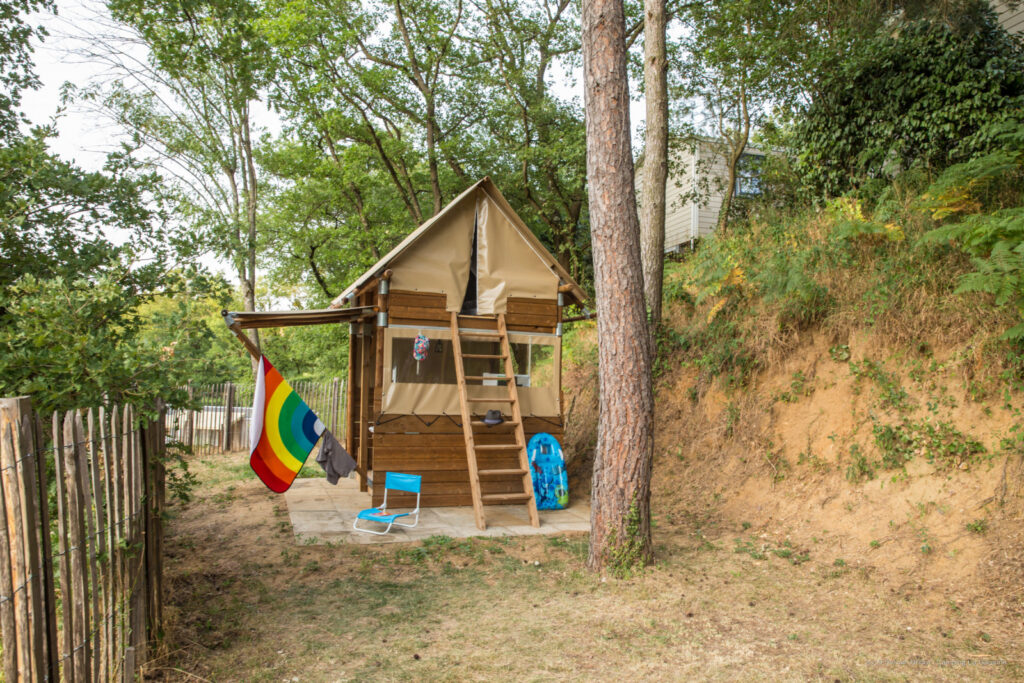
{"x":409,"y":483}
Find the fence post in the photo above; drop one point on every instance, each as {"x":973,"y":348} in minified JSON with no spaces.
{"x":80,"y":646}
{"x":332,"y":418}
{"x":47,"y":563}
{"x":22,"y":498}
{"x":8,"y":534}
{"x":190,"y":418}
{"x":229,"y":409}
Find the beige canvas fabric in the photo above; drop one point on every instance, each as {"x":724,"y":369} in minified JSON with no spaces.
{"x":506,"y":264}
{"x":408,"y":398}
{"x":483,"y":189}
{"x":439,"y":262}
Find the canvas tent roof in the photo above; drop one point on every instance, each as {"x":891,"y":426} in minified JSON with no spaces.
{"x":455,"y":258}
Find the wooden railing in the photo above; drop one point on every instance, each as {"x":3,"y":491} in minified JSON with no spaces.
{"x":91,"y":608}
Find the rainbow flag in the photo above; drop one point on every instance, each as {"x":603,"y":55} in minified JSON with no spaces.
{"x":283,"y":431}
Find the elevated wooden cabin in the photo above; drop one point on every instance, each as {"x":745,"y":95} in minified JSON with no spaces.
{"x":478,"y":260}
{"x":485,"y":299}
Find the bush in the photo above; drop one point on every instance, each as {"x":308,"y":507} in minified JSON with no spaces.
{"x":921,"y":96}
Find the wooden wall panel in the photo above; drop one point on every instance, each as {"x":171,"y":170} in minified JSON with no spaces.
{"x":438,"y":454}
{"x":418,"y":308}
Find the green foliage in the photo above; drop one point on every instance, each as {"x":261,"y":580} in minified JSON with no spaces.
{"x":761,"y":551}
{"x":394,"y":109}
{"x":840,"y":353}
{"x":985,"y":196}
{"x":717,"y":350}
{"x":627,"y":555}
{"x":859,"y":467}
{"x":16,"y":73}
{"x":892,"y":393}
{"x":83,"y":342}
{"x":798,"y":386}
{"x":978,"y":526}
{"x":55,"y":218}
{"x":939,"y":442}
{"x":922,"y":95}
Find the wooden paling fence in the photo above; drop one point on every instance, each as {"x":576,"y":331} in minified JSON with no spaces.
{"x":220,"y":422}
{"x":90,"y":608}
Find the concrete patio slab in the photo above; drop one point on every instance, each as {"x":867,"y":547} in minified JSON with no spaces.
{"x":322,"y":513}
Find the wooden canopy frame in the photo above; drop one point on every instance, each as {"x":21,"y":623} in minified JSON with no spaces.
{"x":247,"y":320}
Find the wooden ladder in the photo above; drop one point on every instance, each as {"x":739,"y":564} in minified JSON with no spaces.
{"x":469,"y":424}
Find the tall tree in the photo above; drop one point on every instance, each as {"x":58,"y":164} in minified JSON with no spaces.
{"x":542,"y":167}
{"x":655,"y":167}
{"x":382,"y":78}
{"x":746,"y":61}
{"x":620,"y":536}
{"x":190,"y":102}
{"x":481,"y":105}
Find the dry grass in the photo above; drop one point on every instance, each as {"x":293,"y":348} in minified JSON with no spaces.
{"x":249,"y":604}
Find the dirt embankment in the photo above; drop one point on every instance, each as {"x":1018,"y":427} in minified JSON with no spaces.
{"x":898,"y":464}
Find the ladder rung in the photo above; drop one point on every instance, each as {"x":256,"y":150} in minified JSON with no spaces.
{"x":478,"y":317}
{"x":500,"y":447}
{"x":499,"y":473}
{"x":506,"y":497}
{"x":483,"y":355}
{"x":479,"y":335}
{"x":510,"y":423}
{"x":483,"y":377}
{"x":492,"y":400}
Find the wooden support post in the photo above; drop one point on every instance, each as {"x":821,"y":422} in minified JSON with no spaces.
{"x":86,"y":451}
{"x":253,"y":350}
{"x":353,"y":373}
{"x":229,"y":409}
{"x":366,"y":367}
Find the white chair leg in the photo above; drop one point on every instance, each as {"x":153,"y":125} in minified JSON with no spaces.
{"x":355,"y":525}
{"x":410,"y":526}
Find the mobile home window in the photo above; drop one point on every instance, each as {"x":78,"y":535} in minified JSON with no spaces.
{"x":748,"y":175}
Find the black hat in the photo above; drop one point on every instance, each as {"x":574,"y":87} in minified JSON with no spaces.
{"x":493,"y":417}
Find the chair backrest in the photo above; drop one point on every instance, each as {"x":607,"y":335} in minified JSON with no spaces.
{"x":402,"y":482}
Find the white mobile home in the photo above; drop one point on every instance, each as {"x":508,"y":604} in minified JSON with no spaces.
{"x":696,"y":188}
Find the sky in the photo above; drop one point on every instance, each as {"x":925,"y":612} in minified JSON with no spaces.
{"x":82,"y":136}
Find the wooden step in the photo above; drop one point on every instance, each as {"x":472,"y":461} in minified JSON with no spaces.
{"x":510,"y":423}
{"x":491,"y":400}
{"x":483,"y":377}
{"x":501,"y":473}
{"x":483,"y":355}
{"x":500,"y":447}
{"x":506,"y":497}
{"x":480,"y":335}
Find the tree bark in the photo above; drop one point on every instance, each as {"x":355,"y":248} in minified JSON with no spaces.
{"x":251,"y":198}
{"x":620,"y":537}
{"x":655,"y":169}
{"x":738,"y":144}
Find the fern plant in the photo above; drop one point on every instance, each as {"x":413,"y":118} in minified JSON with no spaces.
{"x":984,"y":198}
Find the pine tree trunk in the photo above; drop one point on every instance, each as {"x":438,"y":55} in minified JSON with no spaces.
{"x":620,"y":536}
{"x":655,"y":168}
